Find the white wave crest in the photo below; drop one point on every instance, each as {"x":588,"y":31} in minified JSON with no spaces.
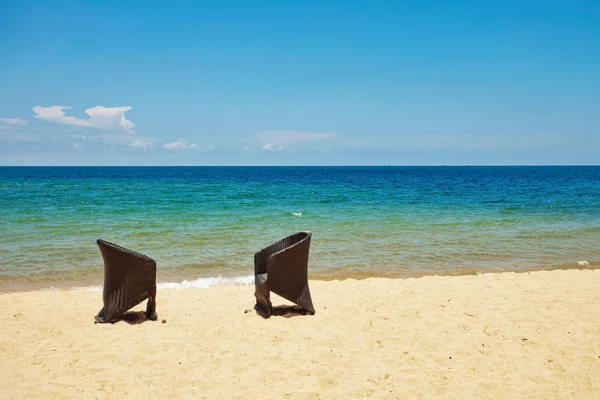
{"x":200,"y":283}
{"x":297,"y":214}
{"x":203,"y":283}
{"x":583,"y":263}
{"x":88,"y":289}
{"x":72,"y":289}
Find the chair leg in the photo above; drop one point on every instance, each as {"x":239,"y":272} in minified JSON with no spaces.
{"x":100,"y":317}
{"x":305,"y":301}
{"x":263,"y":296}
{"x":151,"y":307}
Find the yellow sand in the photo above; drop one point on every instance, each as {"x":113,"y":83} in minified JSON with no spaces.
{"x":495,"y":336}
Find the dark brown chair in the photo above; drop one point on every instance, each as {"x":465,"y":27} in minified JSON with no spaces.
{"x":129,"y":279}
{"x":282,"y":268}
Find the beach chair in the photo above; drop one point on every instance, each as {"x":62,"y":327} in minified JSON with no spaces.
{"x":129,"y":279}
{"x":282,"y":268}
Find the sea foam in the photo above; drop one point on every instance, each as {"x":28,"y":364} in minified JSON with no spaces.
{"x":203,"y":283}
{"x":200,"y":283}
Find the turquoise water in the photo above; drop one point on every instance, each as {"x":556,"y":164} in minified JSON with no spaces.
{"x":206,"y":222}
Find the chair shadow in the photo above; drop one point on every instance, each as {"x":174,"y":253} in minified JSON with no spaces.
{"x":289,"y":311}
{"x":131,"y":317}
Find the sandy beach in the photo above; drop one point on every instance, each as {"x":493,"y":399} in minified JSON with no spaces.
{"x":494,"y":336}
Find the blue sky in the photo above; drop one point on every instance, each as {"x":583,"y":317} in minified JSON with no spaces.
{"x":299,"y":82}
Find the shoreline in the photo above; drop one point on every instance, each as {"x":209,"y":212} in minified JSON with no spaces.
{"x":506,"y":335}
{"x":12,"y":284}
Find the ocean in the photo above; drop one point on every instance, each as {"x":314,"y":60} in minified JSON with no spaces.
{"x":203,"y":224}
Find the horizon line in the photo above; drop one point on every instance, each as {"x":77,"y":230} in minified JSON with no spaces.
{"x":300,"y":166}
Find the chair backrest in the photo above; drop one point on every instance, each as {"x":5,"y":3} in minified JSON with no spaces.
{"x":129,"y":279}
{"x":288,"y":268}
{"x":283,"y":269}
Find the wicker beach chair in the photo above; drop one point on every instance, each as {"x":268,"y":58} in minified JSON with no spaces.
{"x":282,"y":268}
{"x":129,"y":279}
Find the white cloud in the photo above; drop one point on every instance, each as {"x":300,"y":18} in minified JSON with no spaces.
{"x":140,"y":144}
{"x":115,"y":139}
{"x":246,"y":148}
{"x":78,"y":146}
{"x":17,"y":137}
{"x":12,"y":123}
{"x":211,"y":148}
{"x":105,"y":118}
{"x":180,"y":144}
{"x":272,"y":147}
{"x":283,"y":137}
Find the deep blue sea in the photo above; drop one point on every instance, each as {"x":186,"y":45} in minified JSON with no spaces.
{"x":204,"y":224}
